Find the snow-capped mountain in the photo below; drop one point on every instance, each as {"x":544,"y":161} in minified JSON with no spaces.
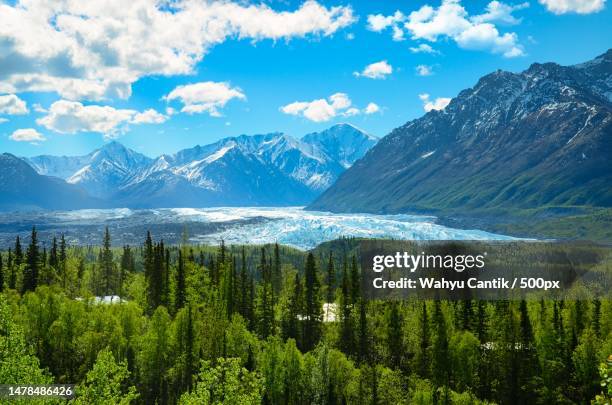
{"x":101,"y":172}
{"x":271,"y":169}
{"x":21,"y":188}
{"x":529,"y":140}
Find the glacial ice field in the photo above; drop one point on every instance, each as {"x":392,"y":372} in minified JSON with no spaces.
{"x":243,"y":225}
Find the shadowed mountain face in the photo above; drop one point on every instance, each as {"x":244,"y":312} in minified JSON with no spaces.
{"x":538,"y":138}
{"x":21,"y":188}
{"x":272,"y":169}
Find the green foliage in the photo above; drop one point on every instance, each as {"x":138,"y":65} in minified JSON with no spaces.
{"x":225,"y":383}
{"x":221,"y":307}
{"x":105,"y":383}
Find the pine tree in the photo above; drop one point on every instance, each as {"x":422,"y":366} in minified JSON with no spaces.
{"x":355,"y":282}
{"x":423,"y":358}
{"x":12,"y":273}
{"x":106,"y":264}
{"x":180,"y":297}
{"x":395,"y":343}
{"x":331,"y":279}
{"x":363,"y":354}
{"x":31,"y":271}
{"x":440,"y":349}
{"x":53,"y":256}
{"x":347,"y":343}
{"x":266,"y":310}
{"x":291,"y":317}
{"x":277,"y":278}
{"x":18,"y":252}
{"x":63,"y":258}
{"x":312,"y":304}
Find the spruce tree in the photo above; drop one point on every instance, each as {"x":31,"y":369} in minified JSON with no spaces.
{"x":63,"y":257}
{"x":53,"y":254}
{"x":32,"y":269}
{"x":395,"y":342}
{"x":106,"y":264}
{"x":440,"y":348}
{"x":355,"y":282}
{"x":312,"y":305}
{"x":423,"y":358}
{"x":180,"y":294}
{"x":18,"y":252}
{"x":291,"y":317}
{"x":12,"y":273}
{"x":347,"y":342}
{"x":277,"y":278}
{"x":331,"y":279}
{"x":363,"y":354}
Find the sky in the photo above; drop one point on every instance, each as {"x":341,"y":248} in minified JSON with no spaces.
{"x":160,"y":76}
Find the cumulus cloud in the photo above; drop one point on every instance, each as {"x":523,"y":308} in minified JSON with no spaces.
{"x":439,"y":103}
{"x":378,"y":70}
{"x":371,"y":108}
{"x":573,"y":6}
{"x":27,"y":135}
{"x":451,"y":20}
{"x":70,"y":117}
{"x":12,"y":105}
{"x":321,"y":110}
{"x":95,"y":50}
{"x":497,"y":11}
{"x":423,"y":48}
{"x":424,"y":70}
{"x":206,"y":97}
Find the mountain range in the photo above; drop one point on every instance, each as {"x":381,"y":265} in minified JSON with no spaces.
{"x":536,"y":140}
{"x":273,"y":169}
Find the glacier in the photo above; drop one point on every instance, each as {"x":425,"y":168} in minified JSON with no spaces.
{"x":291,"y":226}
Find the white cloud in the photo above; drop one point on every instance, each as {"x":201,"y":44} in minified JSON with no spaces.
{"x":340,"y":101}
{"x":497,"y":11}
{"x":423,"y":48}
{"x":451,"y":20}
{"x":378,"y":70}
{"x":371,"y":108}
{"x":439,"y":103}
{"x":149,"y":116}
{"x":70,"y":117}
{"x":573,"y":6}
{"x":321,"y":110}
{"x":379,"y":22}
{"x":27,"y":135}
{"x":3,"y":120}
{"x":97,"y":49}
{"x":205,"y":97}
{"x":39,"y":108}
{"x":12,"y":105}
{"x":351,"y":112}
{"x":424,"y":70}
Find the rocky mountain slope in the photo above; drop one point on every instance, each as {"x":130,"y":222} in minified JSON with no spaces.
{"x":515,"y":141}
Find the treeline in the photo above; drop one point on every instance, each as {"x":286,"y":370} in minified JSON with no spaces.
{"x":273,"y":325}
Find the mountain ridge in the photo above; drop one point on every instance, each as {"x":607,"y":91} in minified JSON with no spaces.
{"x":515,"y":141}
{"x":276,"y":168}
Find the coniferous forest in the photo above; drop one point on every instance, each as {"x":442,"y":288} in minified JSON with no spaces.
{"x":159,"y":324}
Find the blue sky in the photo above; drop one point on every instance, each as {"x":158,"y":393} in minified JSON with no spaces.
{"x":239,"y":69}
